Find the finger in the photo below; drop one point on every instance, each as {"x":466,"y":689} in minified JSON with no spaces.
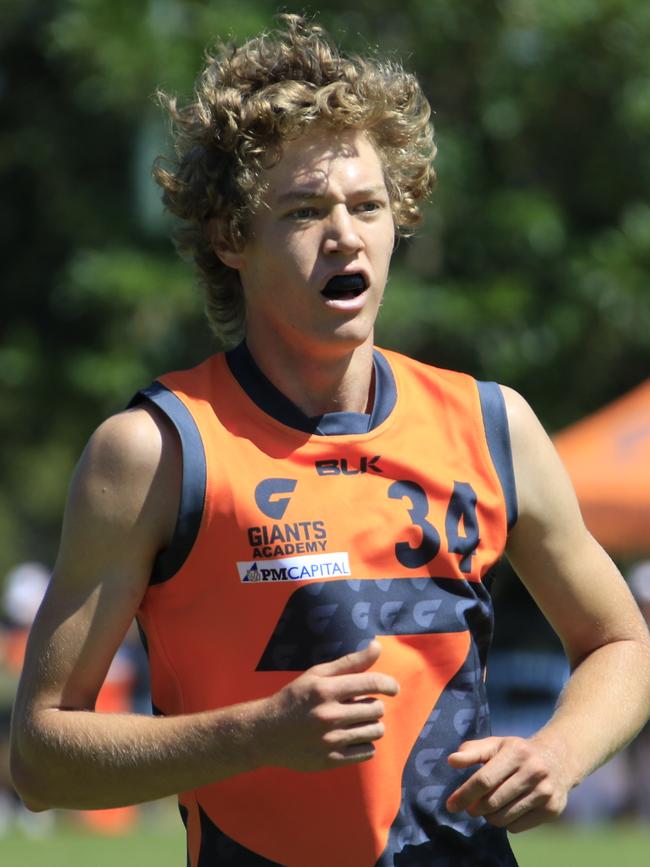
{"x":352,"y":687}
{"x":498,"y":803}
{"x":353,"y":754}
{"x":488,"y":778}
{"x":361,"y":734}
{"x":532,"y":819}
{"x":474,"y":752}
{"x":345,"y":714}
{"x":360,"y":660}
{"x":509,"y":815}
{"x":531,"y":809}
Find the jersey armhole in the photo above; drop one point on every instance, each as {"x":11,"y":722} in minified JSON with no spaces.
{"x":497,"y":434}
{"x":194,"y":474}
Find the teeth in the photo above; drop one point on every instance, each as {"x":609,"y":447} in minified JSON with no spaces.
{"x":344,"y":284}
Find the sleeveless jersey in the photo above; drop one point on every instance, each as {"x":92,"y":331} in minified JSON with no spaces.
{"x":299,"y":540}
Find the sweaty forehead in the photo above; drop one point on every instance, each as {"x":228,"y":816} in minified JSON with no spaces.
{"x":316,"y":163}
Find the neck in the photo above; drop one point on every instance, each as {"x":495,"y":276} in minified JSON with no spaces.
{"x":317,"y":384}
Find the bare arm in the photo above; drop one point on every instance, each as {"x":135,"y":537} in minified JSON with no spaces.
{"x":584,"y":597}
{"x":121,"y":512}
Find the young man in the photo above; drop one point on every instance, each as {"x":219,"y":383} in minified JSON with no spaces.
{"x":302,"y":524}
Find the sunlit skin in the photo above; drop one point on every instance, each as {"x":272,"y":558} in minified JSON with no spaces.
{"x":326,"y":211}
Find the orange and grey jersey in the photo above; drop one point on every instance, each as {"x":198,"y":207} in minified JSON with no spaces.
{"x":301,"y":539}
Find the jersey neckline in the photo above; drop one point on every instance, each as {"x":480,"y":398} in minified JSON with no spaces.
{"x":274,"y":403}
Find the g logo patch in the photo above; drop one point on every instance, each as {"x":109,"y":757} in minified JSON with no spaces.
{"x":268,"y":488}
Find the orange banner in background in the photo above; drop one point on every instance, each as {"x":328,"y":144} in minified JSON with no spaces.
{"x":607,"y":456}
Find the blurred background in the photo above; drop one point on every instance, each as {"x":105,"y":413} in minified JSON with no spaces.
{"x":532,"y":268}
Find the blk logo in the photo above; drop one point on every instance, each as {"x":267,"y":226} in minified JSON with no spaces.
{"x":267,"y":499}
{"x":342,"y":467}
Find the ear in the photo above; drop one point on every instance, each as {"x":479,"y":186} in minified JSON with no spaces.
{"x":223,"y":245}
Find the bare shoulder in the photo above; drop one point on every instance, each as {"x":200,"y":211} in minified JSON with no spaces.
{"x":125,"y":491}
{"x":134,"y":443}
{"x":130,"y":456}
{"x":522,"y":420}
{"x":540,"y":477}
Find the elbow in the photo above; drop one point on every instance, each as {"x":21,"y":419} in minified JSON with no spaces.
{"x":26,"y":784}
{"x":27,"y":780}
{"x":28,"y":792}
{"x":32,"y":805}
{"x":35,"y":806}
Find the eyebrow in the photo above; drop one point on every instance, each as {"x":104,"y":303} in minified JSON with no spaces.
{"x":308,"y":194}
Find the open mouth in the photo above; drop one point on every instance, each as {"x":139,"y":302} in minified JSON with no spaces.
{"x":343,"y":287}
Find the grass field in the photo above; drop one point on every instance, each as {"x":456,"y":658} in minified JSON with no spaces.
{"x":163,"y":846}
{"x":598,"y":846}
{"x":70,"y":848}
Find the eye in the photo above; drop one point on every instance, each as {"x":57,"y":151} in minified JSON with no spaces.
{"x":368,"y":207}
{"x":301,"y":214}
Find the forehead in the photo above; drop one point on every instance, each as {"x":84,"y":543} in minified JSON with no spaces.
{"x":323,"y":161}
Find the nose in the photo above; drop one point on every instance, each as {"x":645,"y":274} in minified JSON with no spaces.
{"x":342,"y":235}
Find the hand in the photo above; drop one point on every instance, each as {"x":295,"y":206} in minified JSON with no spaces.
{"x":519,"y":785}
{"x":328,"y":716}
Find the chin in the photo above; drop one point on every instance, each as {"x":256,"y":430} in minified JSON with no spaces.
{"x":351,"y":338}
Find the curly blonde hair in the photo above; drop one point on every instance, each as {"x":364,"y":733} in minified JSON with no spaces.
{"x":250,"y":99}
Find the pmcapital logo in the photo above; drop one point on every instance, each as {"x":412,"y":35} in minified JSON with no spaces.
{"x":333,"y":565}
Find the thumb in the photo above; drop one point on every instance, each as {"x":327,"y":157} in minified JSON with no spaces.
{"x":351,"y":663}
{"x":474,"y":752}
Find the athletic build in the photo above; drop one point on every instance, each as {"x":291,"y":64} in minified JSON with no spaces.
{"x":389,"y":541}
{"x":189,"y":507}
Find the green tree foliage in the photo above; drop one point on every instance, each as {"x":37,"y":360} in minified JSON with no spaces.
{"x":531,"y":267}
